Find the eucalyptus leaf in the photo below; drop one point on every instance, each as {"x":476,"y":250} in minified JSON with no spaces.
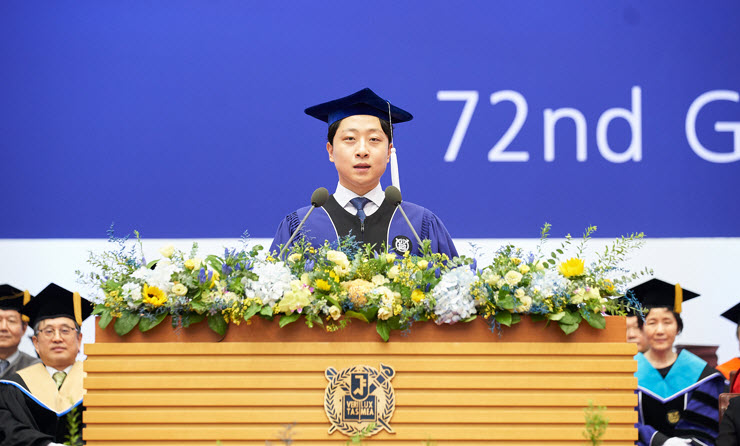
{"x":516,"y":318}
{"x":556,"y":316}
{"x":571,"y":318}
{"x":192,"y":318}
{"x":506,"y":303}
{"x":251,"y":311}
{"x":146,"y":324}
{"x":126,"y":323}
{"x":266,"y":311}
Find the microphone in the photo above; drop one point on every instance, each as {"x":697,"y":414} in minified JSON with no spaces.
{"x":393,"y":195}
{"x":318,"y":199}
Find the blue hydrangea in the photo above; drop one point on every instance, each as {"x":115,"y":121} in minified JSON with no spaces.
{"x":452,"y":294}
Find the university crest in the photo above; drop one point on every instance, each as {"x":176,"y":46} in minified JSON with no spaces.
{"x":360,"y":396}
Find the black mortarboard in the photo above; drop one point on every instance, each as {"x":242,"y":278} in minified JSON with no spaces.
{"x":11,"y":298}
{"x":364,"y":102}
{"x":657,"y":293}
{"x":733,"y":314}
{"x":55,"y":301}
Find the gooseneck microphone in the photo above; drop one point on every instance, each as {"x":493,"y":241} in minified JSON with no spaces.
{"x":393,"y":195}
{"x":318,"y":199}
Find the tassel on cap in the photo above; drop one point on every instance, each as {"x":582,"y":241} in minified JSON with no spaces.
{"x":26,"y":300}
{"x":678,"y":300}
{"x":394,"y":169}
{"x":77,"y":303}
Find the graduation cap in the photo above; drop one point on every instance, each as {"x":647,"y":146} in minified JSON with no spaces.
{"x":733,"y":314}
{"x":657,"y":293}
{"x":55,"y":301}
{"x":11,"y":298}
{"x":363,"y":102}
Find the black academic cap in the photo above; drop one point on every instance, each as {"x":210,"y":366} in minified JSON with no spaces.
{"x":657,"y":293}
{"x":55,"y":301}
{"x":733,"y":314}
{"x":11,"y":298}
{"x":364,"y":102}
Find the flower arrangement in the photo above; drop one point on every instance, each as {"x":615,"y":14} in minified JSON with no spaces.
{"x":330,"y":285}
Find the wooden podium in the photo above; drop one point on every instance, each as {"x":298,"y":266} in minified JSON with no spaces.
{"x":454,"y":385}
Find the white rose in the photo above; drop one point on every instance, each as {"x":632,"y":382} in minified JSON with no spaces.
{"x":337,"y":257}
{"x":526,"y":304}
{"x":384,"y":313}
{"x":335,"y":312}
{"x":379,"y":280}
{"x":519,"y":293}
{"x":394,"y":272}
{"x":512,"y":277}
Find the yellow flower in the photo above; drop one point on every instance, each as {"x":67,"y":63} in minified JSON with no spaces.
{"x":390,"y":257}
{"x":417,"y":295}
{"x":335,"y":312}
{"x":516,"y":261}
{"x":608,"y":286}
{"x":422,"y":264}
{"x":512,"y":277}
{"x":180,"y":289}
{"x":153,"y":296}
{"x":571,"y":268}
{"x":114,"y":293}
{"x":215,"y":278}
{"x":296,"y":256}
{"x":322,"y":285}
{"x":193,"y":263}
{"x":356,"y":290}
{"x":394,"y":272}
{"x":524,"y":268}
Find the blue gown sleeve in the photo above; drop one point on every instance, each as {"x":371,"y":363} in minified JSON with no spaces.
{"x":284,"y":231}
{"x":433,"y":229}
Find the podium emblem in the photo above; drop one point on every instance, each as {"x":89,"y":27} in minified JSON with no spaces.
{"x":358,"y":397}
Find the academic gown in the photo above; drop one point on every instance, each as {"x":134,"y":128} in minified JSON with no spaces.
{"x":33,"y":412}
{"x":683,"y":404}
{"x":386,"y":225}
{"x":729,"y":427}
{"x":22,"y":361}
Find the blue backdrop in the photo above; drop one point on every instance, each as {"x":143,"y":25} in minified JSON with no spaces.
{"x":185,"y":119}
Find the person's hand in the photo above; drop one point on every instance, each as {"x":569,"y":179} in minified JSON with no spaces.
{"x":676,"y":441}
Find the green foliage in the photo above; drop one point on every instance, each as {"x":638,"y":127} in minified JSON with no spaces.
{"x":74,"y":428}
{"x":596,"y":423}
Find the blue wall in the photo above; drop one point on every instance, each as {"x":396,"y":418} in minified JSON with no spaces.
{"x":187,"y":121}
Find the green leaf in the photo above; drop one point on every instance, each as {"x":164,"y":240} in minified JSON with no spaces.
{"x":152,"y":263}
{"x":507,"y":302}
{"x":470,"y":318}
{"x":199,"y":306}
{"x":383,"y":330}
{"x":560,"y":251}
{"x":218,"y":324}
{"x":356,"y":315}
{"x":192,"y":318}
{"x":516,"y":318}
{"x":99,"y":309}
{"x":551,"y":261}
{"x":596,"y":320}
{"x":251,"y":311}
{"x":537,"y":317}
{"x":286,"y":319}
{"x":105,"y":318}
{"x":568,"y":328}
{"x":556,"y":316}
{"x":571,"y":318}
{"x":266,"y":311}
{"x":126,"y":323}
{"x":146,"y":324}
{"x":503,"y":318}
{"x":394,"y":323}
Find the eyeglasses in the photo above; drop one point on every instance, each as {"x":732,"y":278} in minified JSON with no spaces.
{"x":64,"y":332}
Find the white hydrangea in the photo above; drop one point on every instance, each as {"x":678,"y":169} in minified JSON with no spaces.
{"x":160,"y":276}
{"x":452,"y":293}
{"x":274,"y":280}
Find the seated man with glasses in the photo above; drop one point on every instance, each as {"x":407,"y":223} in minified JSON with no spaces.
{"x":35,"y":403}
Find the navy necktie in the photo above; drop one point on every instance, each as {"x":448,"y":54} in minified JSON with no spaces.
{"x":359,"y":204}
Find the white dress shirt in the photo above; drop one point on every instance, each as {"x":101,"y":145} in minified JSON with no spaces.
{"x":344,"y":195}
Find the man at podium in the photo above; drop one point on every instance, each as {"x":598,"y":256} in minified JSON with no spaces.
{"x":360,"y":144}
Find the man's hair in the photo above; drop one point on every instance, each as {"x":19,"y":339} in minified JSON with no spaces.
{"x":36,"y":326}
{"x":385,"y":125}
{"x":679,"y":322}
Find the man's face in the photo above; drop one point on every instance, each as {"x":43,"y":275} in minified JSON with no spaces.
{"x":57,"y":342}
{"x":634,"y":334}
{"x":360,"y":151}
{"x":12,"y":329}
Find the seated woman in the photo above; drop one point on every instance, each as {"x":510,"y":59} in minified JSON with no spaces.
{"x":677,"y":393}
